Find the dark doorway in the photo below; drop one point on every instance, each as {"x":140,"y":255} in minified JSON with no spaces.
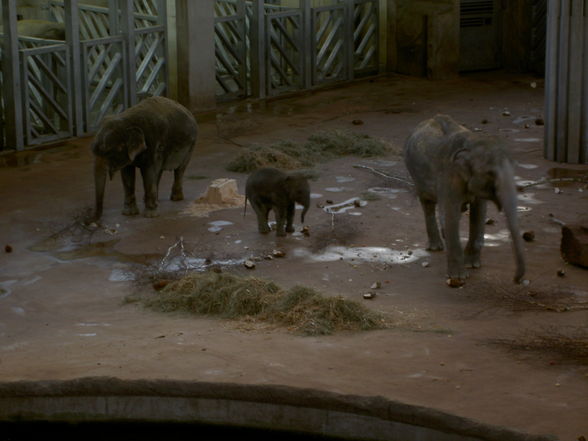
{"x":479,"y":35}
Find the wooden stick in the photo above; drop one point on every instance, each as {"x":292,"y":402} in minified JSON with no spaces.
{"x":381,"y":173}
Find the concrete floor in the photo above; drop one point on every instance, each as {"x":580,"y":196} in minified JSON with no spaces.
{"x":62,"y":308}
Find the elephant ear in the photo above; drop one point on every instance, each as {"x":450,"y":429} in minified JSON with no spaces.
{"x":135,"y":142}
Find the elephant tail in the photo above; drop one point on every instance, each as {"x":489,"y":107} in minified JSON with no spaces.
{"x":245,"y":207}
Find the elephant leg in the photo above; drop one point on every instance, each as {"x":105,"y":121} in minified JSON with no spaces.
{"x":177,"y":193}
{"x":281,"y":214}
{"x":455,"y":258}
{"x":262,"y":212}
{"x":290,"y":217}
{"x":150,"y":181}
{"x":476,"y":238}
{"x":435,"y":242}
{"x":128,"y":179}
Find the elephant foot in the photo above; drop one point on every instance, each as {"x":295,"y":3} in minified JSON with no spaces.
{"x":177,"y":196}
{"x":290,"y":229}
{"x":455,"y":282}
{"x":435,"y":247}
{"x":264,"y":229}
{"x":472,"y":262}
{"x":130,"y":211}
{"x":150,"y":212}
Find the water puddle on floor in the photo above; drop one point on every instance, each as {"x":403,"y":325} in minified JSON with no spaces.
{"x":386,"y":192}
{"x":362,"y":254}
{"x":496,"y":239}
{"x":344,"y":179}
{"x":216,"y":226}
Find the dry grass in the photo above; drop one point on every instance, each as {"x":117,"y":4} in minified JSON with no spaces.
{"x":535,"y":297}
{"x":303,"y":310}
{"x":567,"y":344}
{"x":319,"y":147}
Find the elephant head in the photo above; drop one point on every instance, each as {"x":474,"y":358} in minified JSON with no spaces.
{"x":487,"y":173}
{"x":114,"y":147}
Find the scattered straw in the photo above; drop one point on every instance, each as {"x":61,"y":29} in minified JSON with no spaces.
{"x":535,"y":297}
{"x":302,"y":309}
{"x":568,"y":344}
{"x":319,"y":147}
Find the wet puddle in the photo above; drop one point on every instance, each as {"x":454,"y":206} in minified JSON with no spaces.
{"x":386,"y":192}
{"x":362,"y":254}
{"x":216,"y":226}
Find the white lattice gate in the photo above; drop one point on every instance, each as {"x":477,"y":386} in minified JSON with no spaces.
{"x":111,"y":58}
{"x":266,"y":48}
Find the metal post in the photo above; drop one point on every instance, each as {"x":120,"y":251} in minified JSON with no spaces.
{"x":128,"y":29}
{"x":350,"y":38}
{"x":162,"y":20}
{"x":11,"y":77}
{"x":307,"y":36}
{"x":113,"y":17}
{"x":258,"y":55}
{"x":553,"y":13}
{"x":72,"y":38}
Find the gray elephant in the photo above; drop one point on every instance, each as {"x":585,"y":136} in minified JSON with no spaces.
{"x":271,"y":189}
{"x":456,"y":168}
{"x":154,"y":135}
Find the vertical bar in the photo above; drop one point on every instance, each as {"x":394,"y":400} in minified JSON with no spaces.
{"x":242,"y":49}
{"x":113,"y":17}
{"x":562,"y":81}
{"x":11,"y":78}
{"x":574,"y":111}
{"x":72,"y":38}
{"x":258,"y":44}
{"x":584,"y":139}
{"x":551,"y":63}
{"x":128,"y":29}
{"x":162,"y":20}
{"x":306,"y":43}
{"x":350,"y":38}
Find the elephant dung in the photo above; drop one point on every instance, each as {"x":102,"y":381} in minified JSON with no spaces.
{"x":574,"y":244}
{"x":278,"y":253}
{"x":249,"y":264}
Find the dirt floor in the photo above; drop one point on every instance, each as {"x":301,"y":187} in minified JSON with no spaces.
{"x":482,"y":351}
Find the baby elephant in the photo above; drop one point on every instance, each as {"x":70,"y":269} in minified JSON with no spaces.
{"x":456,"y":168}
{"x":269,"y":188}
{"x":156,"y":134}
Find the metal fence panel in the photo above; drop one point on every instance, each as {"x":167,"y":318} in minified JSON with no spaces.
{"x":566,"y":100}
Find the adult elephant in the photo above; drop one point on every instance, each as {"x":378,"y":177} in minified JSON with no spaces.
{"x":156,"y":134}
{"x":456,"y":168}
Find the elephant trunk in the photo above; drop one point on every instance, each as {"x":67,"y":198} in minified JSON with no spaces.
{"x":507,"y":198}
{"x":101,"y":169}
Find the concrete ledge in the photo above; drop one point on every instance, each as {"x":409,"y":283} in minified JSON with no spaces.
{"x":257,"y":406}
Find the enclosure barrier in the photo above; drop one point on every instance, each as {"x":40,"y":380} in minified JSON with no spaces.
{"x":111,"y":57}
{"x":566,"y":82}
{"x":264,"y":48}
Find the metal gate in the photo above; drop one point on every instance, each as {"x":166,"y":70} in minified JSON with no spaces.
{"x":273,"y":47}
{"x":566,"y":82}
{"x":479,"y":35}
{"x":111,"y":58}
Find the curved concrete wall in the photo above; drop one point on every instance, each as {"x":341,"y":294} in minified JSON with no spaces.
{"x":271,"y":407}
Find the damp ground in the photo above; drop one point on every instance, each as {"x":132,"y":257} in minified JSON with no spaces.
{"x":63,"y":284}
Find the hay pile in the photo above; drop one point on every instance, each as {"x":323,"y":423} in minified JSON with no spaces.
{"x":319,"y":147}
{"x":303,"y":310}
